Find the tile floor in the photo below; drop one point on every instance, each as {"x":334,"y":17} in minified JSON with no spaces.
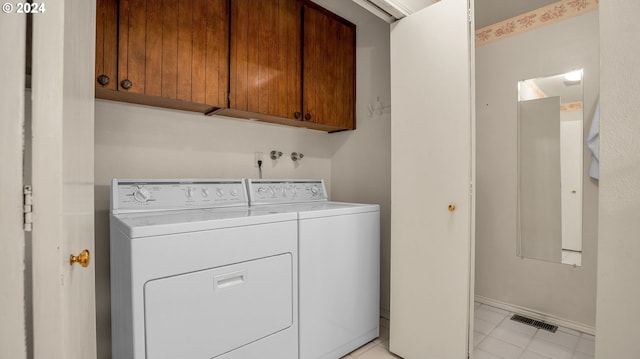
{"x":496,"y":336}
{"x":376,"y":349}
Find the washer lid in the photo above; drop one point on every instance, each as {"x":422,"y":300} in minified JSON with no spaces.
{"x":146,"y":224}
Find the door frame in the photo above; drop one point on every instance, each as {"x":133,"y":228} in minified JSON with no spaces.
{"x":12,"y":245}
{"x":471,"y":28}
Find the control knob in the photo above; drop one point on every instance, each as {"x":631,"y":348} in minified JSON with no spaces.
{"x":189,"y":192}
{"x":205,"y":193}
{"x":219,"y":192}
{"x":141,"y":195}
{"x":234,"y":192}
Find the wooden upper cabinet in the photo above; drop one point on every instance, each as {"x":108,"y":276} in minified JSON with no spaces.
{"x":292,"y":65}
{"x":266,"y":57}
{"x":279,"y":61}
{"x":328,"y":68}
{"x":170,"y":53}
{"x":107,"y":44}
{"x":175,"y":49}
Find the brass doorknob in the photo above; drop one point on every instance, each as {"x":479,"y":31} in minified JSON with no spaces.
{"x":83,"y":258}
{"x":452,"y":207}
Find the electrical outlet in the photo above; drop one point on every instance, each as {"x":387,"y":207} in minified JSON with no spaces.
{"x":258,"y":157}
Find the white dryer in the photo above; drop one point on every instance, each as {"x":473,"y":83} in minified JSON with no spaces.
{"x":196,"y":275}
{"x":339,"y":265}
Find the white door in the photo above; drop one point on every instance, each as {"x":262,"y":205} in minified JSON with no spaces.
{"x":12,"y":244}
{"x":571,"y":173}
{"x":62,"y":179}
{"x":431,"y":170}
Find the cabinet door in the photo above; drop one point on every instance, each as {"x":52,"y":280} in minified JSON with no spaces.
{"x":174,"y":49}
{"x":329,"y":69}
{"x":432,"y":168}
{"x":266,"y":73}
{"x":107,"y":44}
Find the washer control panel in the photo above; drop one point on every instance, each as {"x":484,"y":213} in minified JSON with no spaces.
{"x":156,"y":194}
{"x":265,"y":191}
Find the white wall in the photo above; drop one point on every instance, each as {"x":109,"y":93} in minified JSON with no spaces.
{"x":361,"y":165}
{"x":555,"y":289}
{"x":141,"y":141}
{"x":618,"y":316}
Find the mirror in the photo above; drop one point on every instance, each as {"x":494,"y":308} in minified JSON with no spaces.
{"x":550,"y":160}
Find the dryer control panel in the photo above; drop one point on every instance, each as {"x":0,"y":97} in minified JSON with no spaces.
{"x":270,"y":191}
{"x":133,"y":195}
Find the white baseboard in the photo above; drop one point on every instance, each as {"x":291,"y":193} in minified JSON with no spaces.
{"x":547,"y":318}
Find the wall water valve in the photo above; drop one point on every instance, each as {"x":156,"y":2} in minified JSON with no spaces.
{"x":275,"y":154}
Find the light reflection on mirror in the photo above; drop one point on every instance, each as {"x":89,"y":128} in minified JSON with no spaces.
{"x":550,"y":159}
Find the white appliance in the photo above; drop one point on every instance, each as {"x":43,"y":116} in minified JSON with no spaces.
{"x":339,"y":265}
{"x":196,"y":275}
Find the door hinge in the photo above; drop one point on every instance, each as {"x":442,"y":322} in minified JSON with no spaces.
{"x":470,"y":14}
{"x":27,"y":209}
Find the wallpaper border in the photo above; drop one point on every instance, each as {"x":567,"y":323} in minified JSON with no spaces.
{"x":545,"y":15}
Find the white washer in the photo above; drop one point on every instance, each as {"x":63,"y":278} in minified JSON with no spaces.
{"x":196,"y":275}
{"x":339,"y":265}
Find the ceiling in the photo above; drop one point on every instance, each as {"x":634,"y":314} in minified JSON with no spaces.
{"x":489,"y":12}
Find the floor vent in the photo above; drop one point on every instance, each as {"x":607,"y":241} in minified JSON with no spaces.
{"x":535,"y":323}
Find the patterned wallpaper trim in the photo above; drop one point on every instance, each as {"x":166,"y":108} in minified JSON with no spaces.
{"x":571,"y":106}
{"x":546,"y":15}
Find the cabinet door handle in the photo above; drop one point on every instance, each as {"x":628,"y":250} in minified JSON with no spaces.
{"x":126,"y":84}
{"x":307,"y":116}
{"x":297,"y":115}
{"x":103,"y":79}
